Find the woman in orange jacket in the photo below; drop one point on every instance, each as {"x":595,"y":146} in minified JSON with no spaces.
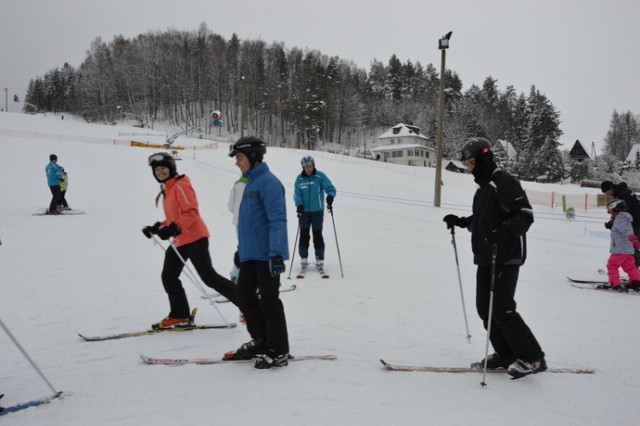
{"x":190,"y":237}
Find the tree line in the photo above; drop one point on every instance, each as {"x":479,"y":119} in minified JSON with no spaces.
{"x":294,"y":97}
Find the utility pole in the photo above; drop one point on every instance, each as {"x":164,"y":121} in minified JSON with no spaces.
{"x":443,"y":45}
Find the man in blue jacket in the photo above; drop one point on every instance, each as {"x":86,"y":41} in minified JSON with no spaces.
{"x":54,"y":175}
{"x":309,"y":190}
{"x":262,"y":249}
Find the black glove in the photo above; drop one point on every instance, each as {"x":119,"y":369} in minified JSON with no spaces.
{"x":330,"y":203}
{"x":609,"y":224}
{"x":300,"y":210}
{"x":453,"y":220}
{"x":276,"y":265}
{"x":148,"y":231}
{"x":164,"y":232}
{"x":497,"y":236}
{"x":236,"y":259}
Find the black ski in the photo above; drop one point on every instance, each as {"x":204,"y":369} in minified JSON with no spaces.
{"x":429,"y":369}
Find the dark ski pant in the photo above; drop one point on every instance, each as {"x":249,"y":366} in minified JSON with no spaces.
{"x":55,"y":197}
{"x":259,"y":301}
{"x":311,"y":222}
{"x":198,"y":253}
{"x":510,"y":336}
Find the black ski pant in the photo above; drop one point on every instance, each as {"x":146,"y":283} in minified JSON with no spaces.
{"x":311,"y":222}
{"x":198,"y":253}
{"x":510,"y":336}
{"x":259,"y":301}
{"x":55,"y":197}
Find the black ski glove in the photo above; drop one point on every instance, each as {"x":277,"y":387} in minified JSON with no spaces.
{"x":148,"y":231}
{"x":300,"y":210}
{"x":330,"y":203}
{"x":497,"y":236}
{"x":165,"y":232}
{"x":236,"y":259}
{"x":453,"y":220}
{"x":276,"y":266}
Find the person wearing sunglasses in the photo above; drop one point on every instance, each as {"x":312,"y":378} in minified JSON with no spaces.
{"x":189,"y":237}
{"x":501,"y":216}
{"x":309,"y":189}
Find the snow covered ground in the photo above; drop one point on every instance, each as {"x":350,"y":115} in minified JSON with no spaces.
{"x":399,"y":300}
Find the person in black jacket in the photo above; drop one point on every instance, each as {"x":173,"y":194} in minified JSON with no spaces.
{"x":499,"y":222}
{"x":622,"y":192}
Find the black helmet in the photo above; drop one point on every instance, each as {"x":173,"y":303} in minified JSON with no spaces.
{"x":475,"y":147}
{"x":480,"y":149}
{"x":251,"y":146}
{"x":53,"y":157}
{"x":165,"y":160}
{"x":616,"y":206}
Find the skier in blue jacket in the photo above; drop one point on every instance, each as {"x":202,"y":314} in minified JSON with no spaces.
{"x":262,"y":249}
{"x":309,"y":190}
{"x":54,"y":176}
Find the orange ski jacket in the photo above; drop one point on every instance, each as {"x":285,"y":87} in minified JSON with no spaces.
{"x":181,"y":206}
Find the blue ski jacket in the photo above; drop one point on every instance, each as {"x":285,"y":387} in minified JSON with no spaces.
{"x":54,"y":174}
{"x":309,"y":191}
{"x":262,"y":218}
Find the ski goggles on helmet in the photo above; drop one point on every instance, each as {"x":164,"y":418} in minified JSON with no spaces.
{"x":157,"y":158}
{"x":465,"y":154}
{"x":307,"y":161}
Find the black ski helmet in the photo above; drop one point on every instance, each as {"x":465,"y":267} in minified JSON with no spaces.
{"x":165,"y":160}
{"x":616,"y":206}
{"x":251,"y":146}
{"x":480,"y":149}
{"x":475,"y":147}
{"x":53,"y":157}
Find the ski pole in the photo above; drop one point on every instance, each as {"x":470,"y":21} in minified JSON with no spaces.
{"x":464,"y":311}
{"x":494,"y":254}
{"x":295,"y":245}
{"x":26,"y":355}
{"x":192,"y":278}
{"x":188,"y":270}
{"x":337,"y":246}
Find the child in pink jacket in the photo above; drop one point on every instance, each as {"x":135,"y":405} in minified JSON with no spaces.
{"x":623,"y":245}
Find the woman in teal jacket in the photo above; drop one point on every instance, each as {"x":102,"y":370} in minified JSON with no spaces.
{"x":309,"y":190}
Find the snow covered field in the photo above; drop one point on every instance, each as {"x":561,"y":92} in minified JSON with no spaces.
{"x":399,"y":300}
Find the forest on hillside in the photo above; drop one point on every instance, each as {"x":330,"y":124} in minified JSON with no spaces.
{"x":294,"y":97}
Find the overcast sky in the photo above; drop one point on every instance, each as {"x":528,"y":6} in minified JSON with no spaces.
{"x":583,"y":54}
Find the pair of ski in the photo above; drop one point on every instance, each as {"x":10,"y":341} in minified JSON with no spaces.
{"x":25,"y":405}
{"x":207,"y":361}
{"x":218,"y":298}
{"x":429,"y":369}
{"x":45,"y":212}
{"x":594,"y":285}
{"x":321,"y":271}
{"x":157,"y":330}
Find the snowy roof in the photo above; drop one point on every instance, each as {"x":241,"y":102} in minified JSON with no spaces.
{"x":507,"y":147}
{"x":400,"y":130}
{"x":401,"y":146}
{"x":634,"y":153}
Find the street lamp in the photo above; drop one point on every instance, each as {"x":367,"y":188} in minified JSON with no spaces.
{"x":443,"y":45}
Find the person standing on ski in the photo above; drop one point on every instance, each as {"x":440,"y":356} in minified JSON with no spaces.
{"x":309,"y":189}
{"x":501,"y":217}
{"x":189,"y":236}
{"x":262,"y":250}
{"x":622,"y":192}
{"x":54,"y":176}
{"x":623,"y":245}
